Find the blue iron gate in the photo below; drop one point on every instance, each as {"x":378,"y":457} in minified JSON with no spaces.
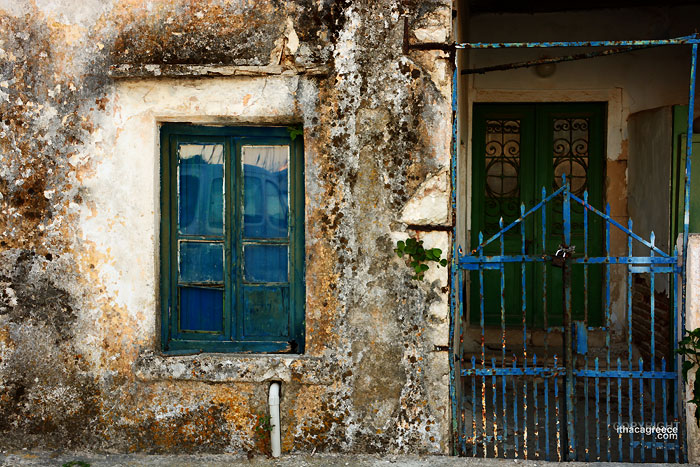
{"x":572,"y":391}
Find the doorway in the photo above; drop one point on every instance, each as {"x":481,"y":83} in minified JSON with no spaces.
{"x":520,"y":153}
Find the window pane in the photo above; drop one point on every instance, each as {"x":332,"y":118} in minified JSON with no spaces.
{"x":201,"y":309}
{"x":570,"y":152}
{"x":266,"y":210}
{"x":265,"y":263}
{"x":265,"y":312}
{"x":200,"y":189}
{"x":201,"y":262}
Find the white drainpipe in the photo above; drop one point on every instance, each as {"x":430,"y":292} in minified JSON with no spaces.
{"x":274,"y":401}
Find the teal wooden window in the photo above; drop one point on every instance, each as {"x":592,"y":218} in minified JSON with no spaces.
{"x":232,"y":239}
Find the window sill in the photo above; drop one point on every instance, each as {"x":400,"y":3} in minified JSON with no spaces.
{"x":234,"y":368}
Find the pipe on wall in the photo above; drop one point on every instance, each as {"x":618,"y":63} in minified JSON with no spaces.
{"x":274,"y":402}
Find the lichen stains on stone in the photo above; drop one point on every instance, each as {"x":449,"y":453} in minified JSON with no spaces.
{"x":190,"y":32}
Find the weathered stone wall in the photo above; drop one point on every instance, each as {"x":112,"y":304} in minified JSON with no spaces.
{"x":692,"y":322}
{"x":83,"y":84}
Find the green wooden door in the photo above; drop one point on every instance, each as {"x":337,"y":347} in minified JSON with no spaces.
{"x":517,"y":150}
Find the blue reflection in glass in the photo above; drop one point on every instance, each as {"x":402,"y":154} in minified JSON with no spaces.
{"x":201,"y":309}
{"x":266,"y":186}
{"x":201,"y":262}
{"x":200,"y":189}
{"x":265,"y":263}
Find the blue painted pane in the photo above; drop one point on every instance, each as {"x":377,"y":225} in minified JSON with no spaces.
{"x":200,"y":189}
{"x":266,"y":209}
{"x":201,"y":309}
{"x":215,"y":217}
{"x":201,"y":262}
{"x":253,"y":207}
{"x":265,"y":263}
{"x":265,"y":311}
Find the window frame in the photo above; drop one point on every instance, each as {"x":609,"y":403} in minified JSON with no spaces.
{"x":233,"y":138}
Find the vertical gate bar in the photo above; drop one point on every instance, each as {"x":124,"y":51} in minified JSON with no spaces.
{"x":607,"y":417}
{"x":473,"y":407}
{"x":461,"y":357}
{"x":585,"y":255}
{"x":483,"y":410}
{"x":586,"y":411}
{"x":597,"y":411}
{"x":585,"y":310}
{"x":686,"y":213}
{"x":544,"y":275}
{"x":688,"y":157}
{"x":676,"y":362}
{"x":515,"y":409}
{"x":664,"y":401}
{"x":503,"y":299}
{"x":653,"y":341}
{"x":546,"y":324}
{"x":546,"y":417}
{"x":630,"y":405}
{"x":630,"y":401}
{"x":505,"y":418}
{"x":619,"y":411}
{"x":523,"y":303}
{"x":495,"y":407}
{"x":557,"y":412}
{"x":536,"y":419}
{"x":524,"y":408}
{"x":641,"y":407}
{"x":607,"y":323}
{"x":568,"y":355}
{"x":456,"y":274}
{"x":503,"y":312}
{"x":483,"y":339}
{"x":460,"y":301}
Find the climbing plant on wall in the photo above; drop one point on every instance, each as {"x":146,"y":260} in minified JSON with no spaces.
{"x":419,"y":257}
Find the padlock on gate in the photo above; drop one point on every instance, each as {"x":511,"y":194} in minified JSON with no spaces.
{"x":562,"y":254}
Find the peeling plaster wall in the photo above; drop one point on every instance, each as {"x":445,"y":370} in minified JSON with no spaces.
{"x":83,"y":86}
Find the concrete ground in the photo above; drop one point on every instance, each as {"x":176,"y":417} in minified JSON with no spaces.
{"x":300,"y":460}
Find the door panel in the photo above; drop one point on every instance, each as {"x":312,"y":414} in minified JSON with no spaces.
{"x":517,"y":150}
{"x":571,"y":142}
{"x":503,"y":173}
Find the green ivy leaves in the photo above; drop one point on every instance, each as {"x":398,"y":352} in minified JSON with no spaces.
{"x":689,"y":346}
{"x":419,"y":256}
{"x":295,"y":131}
